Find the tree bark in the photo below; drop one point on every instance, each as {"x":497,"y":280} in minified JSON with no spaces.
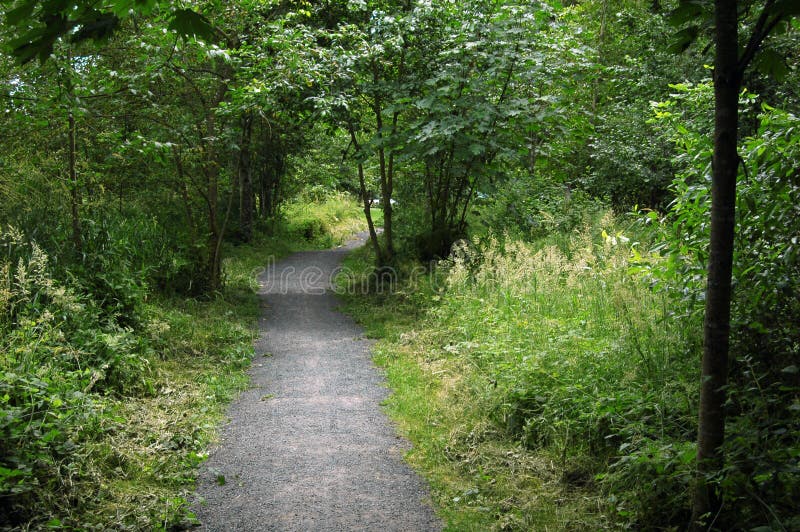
{"x":75,"y":192}
{"x":711,"y":429}
{"x":246,"y":179}
{"x":384,"y":169}
{"x":373,"y":234}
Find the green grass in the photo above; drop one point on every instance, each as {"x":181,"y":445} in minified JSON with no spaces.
{"x":325,"y":222}
{"x":117,"y":447}
{"x":535,"y":382}
{"x":202,"y":350}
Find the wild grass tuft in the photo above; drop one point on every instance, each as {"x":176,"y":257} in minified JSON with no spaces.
{"x":537,"y":377}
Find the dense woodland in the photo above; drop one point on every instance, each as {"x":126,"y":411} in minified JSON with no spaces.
{"x":547,"y":163}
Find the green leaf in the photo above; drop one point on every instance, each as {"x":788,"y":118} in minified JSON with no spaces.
{"x":477,"y":149}
{"x":122,"y":8}
{"x":772,"y":64}
{"x":687,"y":10}
{"x":189,"y":23}
{"x":20,"y":14}
{"x":51,"y":435}
{"x":683,"y":39}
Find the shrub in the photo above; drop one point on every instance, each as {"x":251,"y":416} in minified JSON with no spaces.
{"x":763,"y":432}
{"x":533,"y":209}
{"x":60,"y":352}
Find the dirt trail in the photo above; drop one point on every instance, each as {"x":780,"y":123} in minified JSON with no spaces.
{"x":308,"y":447}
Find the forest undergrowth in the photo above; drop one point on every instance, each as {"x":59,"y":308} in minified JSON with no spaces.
{"x":544,"y":386}
{"x":548,"y":375}
{"x":106,"y":415}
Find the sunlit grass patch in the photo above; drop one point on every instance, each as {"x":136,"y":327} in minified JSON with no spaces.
{"x":525,"y":373}
{"x":324,"y":222}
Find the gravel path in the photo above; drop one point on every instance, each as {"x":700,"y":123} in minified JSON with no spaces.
{"x":308,"y":447}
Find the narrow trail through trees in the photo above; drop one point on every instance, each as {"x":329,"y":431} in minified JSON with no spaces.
{"x":308,"y":447}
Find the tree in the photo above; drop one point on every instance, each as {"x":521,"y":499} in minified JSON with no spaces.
{"x":471,"y":114}
{"x":40,"y":25}
{"x":368,"y":60}
{"x":729,"y":67}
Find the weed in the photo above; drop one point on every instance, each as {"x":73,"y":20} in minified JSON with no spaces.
{"x":532,"y":379}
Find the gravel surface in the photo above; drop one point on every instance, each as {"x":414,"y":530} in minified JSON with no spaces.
{"x":308,"y":447}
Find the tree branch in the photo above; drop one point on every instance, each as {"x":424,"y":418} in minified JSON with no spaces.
{"x":761,"y":30}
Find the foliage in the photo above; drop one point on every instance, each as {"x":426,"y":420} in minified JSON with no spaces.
{"x":323,"y":221}
{"x":764,"y":389}
{"x":159,"y":151}
{"x":58,"y":353}
{"x":533,"y":209}
{"x":539,"y":370}
{"x":40,"y":25}
{"x":107,"y":410}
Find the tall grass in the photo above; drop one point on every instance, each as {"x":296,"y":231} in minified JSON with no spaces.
{"x":540,"y":377}
{"x":324,"y":221}
{"x":102,"y":425}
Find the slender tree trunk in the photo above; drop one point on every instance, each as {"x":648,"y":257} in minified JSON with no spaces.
{"x":373,"y":234}
{"x":212,"y":193}
{"x":212,"y":166}
{"x":246,"y":179}
{"x":386,"y":193}
{"x":727,"y":82}
{"x":75,"y":191}
{"x":184,"y":191}
{"x":387,"y":208}
{"x":263,"y":198}
{"x":533,"y":144}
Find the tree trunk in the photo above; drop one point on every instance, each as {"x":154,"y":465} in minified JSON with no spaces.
{"x":213,"y":265}
{"x":246,"y":179}
{"x":211,"y":168}
{"x":711,"y":429}
{"x":386,"y":192}
{"x":373,"y":234}
{"x":75,"y":192}
{"x":184,"y":192}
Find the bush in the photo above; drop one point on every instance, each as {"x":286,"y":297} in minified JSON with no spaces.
{"x":60,"y":352}
{"x":533,"y":209}
{"x":763,"y":432}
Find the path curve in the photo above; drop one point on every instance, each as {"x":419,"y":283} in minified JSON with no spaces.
{"x":308,"y":447}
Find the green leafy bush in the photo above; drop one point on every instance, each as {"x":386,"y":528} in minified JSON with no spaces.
{"x":60,"y":352}
{"x":761,"y":478}
{"x":534,"y":209}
